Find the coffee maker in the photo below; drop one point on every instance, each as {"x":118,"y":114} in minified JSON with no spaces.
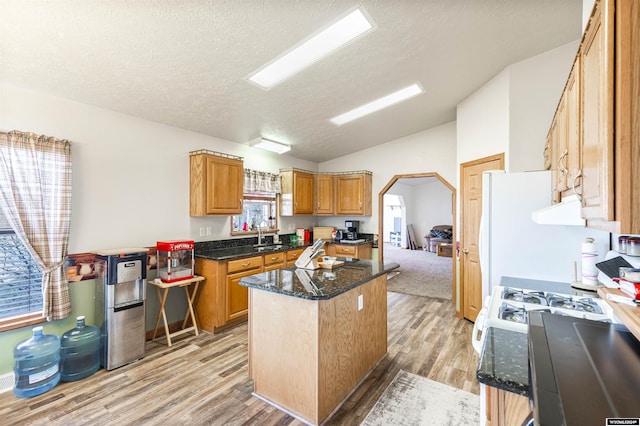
{"x":352,"y":229}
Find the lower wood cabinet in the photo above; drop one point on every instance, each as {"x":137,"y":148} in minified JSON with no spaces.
{"x":359,"y":251}
{"x":222,"y":302}
{"x":505,"y":408}
{"x":293,"y":255}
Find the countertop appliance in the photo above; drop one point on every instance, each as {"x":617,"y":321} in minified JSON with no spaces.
{"x":353,"y":227}
{"x":582,"y":371}
{"x":120,"y":305}
{"x":511,"y":244}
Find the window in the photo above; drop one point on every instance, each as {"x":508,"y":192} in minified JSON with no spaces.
{"x":257,"y":210}
{"x":20,"y":279}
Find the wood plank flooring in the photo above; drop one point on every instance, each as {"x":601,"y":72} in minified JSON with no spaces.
{"x":203,"y":380}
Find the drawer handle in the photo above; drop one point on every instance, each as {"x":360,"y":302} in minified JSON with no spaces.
{"x":244,"y":265}
{"x":274,"y":258}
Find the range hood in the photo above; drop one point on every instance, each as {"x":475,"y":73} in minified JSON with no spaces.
{"x":567,"y":212}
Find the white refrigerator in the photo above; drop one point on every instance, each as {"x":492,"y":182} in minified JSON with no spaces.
{"x":512,"y":244}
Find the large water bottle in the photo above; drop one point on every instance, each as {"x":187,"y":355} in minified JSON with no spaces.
{"x":36,"y":364}
{"x":79,"y":352}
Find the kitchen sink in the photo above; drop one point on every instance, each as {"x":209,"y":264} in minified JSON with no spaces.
{"x":268,"y":248}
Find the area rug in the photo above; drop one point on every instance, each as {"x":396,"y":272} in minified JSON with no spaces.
{"x":421,"y":273}
{"x":414,"y":400}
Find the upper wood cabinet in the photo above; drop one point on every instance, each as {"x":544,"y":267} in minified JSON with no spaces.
{"x":216,"y":184}
{"x":353,"y":194}
{"x":325,"y":195}
{"x":297,"y":192}
{"x":597,"y":106}
{"x":600,"y":107}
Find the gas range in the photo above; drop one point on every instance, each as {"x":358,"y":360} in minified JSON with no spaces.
{"x":508,"y":307}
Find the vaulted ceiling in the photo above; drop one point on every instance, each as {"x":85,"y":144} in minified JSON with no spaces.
{"x":184,"y":62}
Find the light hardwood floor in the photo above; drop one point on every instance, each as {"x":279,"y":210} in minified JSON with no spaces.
{"x":203,"y":380}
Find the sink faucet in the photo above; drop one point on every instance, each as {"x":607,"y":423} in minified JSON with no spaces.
{"x":260,"y":237}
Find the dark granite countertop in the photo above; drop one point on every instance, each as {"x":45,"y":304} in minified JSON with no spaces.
{"x":504,"y":361}
{"x":238,"y":252}
{"x":318,"y":284}
{"x":504,"y":358}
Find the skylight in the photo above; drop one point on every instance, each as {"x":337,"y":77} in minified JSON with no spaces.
{"x":311,"y":50}
{"x":378,"y":104}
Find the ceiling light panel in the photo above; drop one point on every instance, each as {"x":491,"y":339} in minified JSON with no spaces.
{"x":353,"y":25}
{"x":378,"y":104}
{"x":269,"y":145}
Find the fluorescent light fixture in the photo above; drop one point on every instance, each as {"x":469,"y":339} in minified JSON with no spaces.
{"x":378,"y":104}
{"x":311,"y":50}
{"x":269,"y":145}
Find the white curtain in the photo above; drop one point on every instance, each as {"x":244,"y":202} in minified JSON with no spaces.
{"x":261,"y":182}
{"x":35,"y":194}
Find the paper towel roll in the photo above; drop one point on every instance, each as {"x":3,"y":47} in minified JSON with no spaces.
{"x":589,"y":260}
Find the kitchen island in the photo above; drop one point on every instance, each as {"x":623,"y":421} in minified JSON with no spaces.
{"x":314,"y":335}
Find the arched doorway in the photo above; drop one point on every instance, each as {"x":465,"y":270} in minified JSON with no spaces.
{"x":381,"y":195}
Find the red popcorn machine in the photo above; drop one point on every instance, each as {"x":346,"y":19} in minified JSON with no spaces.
{"x":175,"y":260}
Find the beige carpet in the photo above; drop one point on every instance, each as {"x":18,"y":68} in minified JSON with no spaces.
{"x":421,"y":273}
{"x":413,"y":400}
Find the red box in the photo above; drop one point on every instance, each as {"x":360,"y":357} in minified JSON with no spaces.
{"x":175,"y":260}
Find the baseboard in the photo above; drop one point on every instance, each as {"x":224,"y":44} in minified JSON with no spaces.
{"x":7,"y":381}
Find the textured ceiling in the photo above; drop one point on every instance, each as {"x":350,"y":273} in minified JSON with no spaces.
{"x":185,"y":63}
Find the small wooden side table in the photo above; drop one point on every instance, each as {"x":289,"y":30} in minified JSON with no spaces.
{"x":444,"y":249}
{"x":162,"y":289}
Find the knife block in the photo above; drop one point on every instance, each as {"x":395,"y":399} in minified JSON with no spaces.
{"x":310,"y":259}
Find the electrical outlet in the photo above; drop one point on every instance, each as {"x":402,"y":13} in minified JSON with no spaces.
{"x":208,"y":231}
{"x":202,"y":231}
{"x":360,"y":302}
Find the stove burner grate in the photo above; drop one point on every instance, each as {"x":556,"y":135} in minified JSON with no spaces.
{"x":517,"y":295}
{"x":574,"y":304}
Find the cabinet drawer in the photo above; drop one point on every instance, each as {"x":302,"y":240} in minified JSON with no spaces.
{"x":273,"y":258}
{"x":244,"y":264}
{"x":293,"y":255}
{"x":347,"y":251}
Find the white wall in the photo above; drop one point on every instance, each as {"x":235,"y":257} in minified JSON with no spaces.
{"x":130,"y":176}
{"x":432,"y":150}
{"x":431,"y":205}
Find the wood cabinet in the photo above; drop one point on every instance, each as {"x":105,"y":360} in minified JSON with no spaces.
{"x":275,"y":261}
{"x":297,"y":192}
{"x":358,"y":251}
{"x":216,"y":184}
{"x":353,"y":194}
{"x":505,"y":408}
{"x":597,"y":88}
{"x":325,"y":195}
{"x":237,"y":295}
{"x":293,"y":255}
{"x":223,"y":302}
{"x":600,"y":106}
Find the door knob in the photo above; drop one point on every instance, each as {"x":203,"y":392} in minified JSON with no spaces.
{"x":465,"y":251}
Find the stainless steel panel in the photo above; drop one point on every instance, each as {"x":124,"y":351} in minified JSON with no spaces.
{"x":125,"y":338}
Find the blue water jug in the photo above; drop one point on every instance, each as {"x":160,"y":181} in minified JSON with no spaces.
{"x":79,"y":352}
{"x":36,"y":364}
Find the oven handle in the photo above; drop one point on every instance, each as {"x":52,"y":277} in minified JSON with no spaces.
{"x":478,"y":328}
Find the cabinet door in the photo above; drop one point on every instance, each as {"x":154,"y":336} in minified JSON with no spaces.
{"x":555,"y":157}
{"x":224,"y":186}
{"x":237,"y":297}
{"x":572,"y":162}
{"x":561,"y":143}
{"x":353,"y":194}
{"x":325,"y":195}
{"x":302,"y":193}
{"x":597,"y":108}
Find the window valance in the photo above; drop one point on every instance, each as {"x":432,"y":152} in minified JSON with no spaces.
{"x":261,"y":182}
